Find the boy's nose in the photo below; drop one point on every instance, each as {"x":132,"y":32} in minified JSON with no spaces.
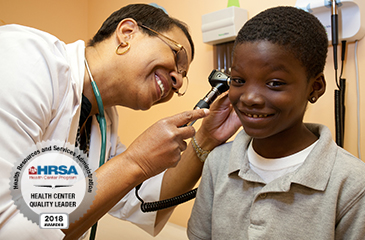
{"x":252,"y":97}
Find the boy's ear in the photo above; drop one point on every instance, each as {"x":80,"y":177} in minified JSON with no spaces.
{"x":318,"y":87}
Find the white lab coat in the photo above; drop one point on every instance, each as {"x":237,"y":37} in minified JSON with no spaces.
{"x":40,"y":98}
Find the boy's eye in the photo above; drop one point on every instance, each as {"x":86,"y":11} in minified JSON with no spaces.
{"x":238,"y":81}
{"x":275,"y":83}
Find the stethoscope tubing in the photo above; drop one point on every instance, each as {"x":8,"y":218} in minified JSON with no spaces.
{"x":102,"y":124}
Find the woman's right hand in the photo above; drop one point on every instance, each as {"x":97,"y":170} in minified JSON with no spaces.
{"x":160,"y":146}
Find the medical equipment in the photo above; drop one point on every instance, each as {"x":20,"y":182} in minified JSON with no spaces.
{"x":334,"y":30}
{"x":220,"y":83}
{"x":351,"y":21}
{"x":220,"y":29}
{"x":343,"y":23}
{"x":223,"y":25}
{"x":102,"y":124}
{"x":340,"y":92}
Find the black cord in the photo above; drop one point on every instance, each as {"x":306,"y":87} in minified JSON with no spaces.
{"x":93,"y":231}
{"x":167,"y":203}
{"x":340,"y":101}
{"x":342,"y":91}
{"x":336,"y":80}
{"x":343,"y":53}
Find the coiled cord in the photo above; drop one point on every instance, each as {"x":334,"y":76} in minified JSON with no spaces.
{"x":163,"y":204}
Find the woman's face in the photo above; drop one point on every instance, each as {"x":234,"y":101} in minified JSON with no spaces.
{"x":150,"y":69}
{"x":269,"y":90}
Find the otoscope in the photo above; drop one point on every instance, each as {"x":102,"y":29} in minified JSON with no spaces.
{"x":220,"y":83}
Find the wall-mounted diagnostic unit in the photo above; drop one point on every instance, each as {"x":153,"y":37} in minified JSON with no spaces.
{"x":220,"y":29}
{"x":223,"y":25}
{"x":351,"y":17}
{"x":344,"y":21}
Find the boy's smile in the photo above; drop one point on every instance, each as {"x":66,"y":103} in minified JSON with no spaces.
{"x":269,"y":92}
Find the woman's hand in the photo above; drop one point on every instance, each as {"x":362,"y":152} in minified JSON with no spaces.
{"x":220,"y":125}
{"x":160,"y":146}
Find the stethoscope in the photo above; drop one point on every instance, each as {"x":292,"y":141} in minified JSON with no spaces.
{"x":102,"y":124}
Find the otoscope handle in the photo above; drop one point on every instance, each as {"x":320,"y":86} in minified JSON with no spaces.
{"x":208,"y":99}
{"x":201,"y":104}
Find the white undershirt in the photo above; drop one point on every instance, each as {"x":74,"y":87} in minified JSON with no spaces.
{"x":271,"y":168}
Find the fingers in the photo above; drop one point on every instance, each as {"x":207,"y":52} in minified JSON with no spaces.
{"x":221,"y":102}
{"x":186,"y":117}
{"x":182,"y":146}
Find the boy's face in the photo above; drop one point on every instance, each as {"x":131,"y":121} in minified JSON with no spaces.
{"x":269,"y":90}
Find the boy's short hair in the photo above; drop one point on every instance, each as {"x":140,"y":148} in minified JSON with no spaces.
{"x":298,"y":31}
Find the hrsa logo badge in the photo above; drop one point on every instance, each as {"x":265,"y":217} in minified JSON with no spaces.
{"x":32,"y":171}
{"x":53,"y":169}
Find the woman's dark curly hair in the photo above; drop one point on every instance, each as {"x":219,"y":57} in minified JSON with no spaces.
{"x":299,"y":32}
{"x":143,"y":14}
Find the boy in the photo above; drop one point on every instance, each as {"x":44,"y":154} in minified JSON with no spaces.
{"x":280,"y":178}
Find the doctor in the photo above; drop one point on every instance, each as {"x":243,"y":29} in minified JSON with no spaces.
{"x":138,"y":58}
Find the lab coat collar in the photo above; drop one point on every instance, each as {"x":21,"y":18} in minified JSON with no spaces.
{"x":75,"y":56}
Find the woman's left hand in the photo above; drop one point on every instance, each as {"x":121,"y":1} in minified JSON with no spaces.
{"x":220,"y":125}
